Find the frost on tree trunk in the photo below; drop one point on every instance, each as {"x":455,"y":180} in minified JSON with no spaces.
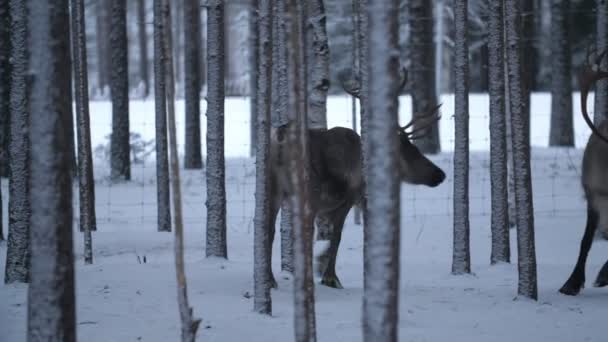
{"x":381,"y":262}
{"x":142,"y":38}
{"x":302,"y":218}
{"x":317,"y":49}
{"x":4,"y":90}
{"x":601,"y":88}
{"x":528,"y":59}
{"x":160,"y":109}
{"x":192,"y":84}
{"x":422,"y":70}
{"x":461,"y":257}
{"x":262,"y":240}
{"x":86,"y":182}
{"x":562,"y":129}
{"x":254,"y":43}
{"x":527,"y":286}
{"x":119,"y":87}
{"x":498,"y":139}
{"x":216,"y":170}
{"x":18,"y":252}
{"x":51,"y":299}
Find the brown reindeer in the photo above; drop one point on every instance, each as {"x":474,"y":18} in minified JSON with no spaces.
{"x":336,"y":175}
{"x":595,"y":183}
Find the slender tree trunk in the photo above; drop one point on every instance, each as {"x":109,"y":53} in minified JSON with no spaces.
{"x":163,"y":200}
{"x":562,"y":129}
{"x":528,"y":63}
{"x":512,"y":213}
{"x":302,"y":218}
{"x":189,"y":324}
{"x":254,"y":41}
{"x":498,"y":139}
{"x":356,"y":66}
{"x":601,"y":88}
{"x":192,"y":61}
{"x":143,"y":47}
{"x":364,"y":109}
{"x":216,"y":166}
{"x":4,"y":89}
{"x":19,"y":209}
{"x":381,"y":263}
{"x":527,"y":286}
{"x":422,"y":59}
{"x":101,"y":37}
{"x":262,"y":240}
{"x":461,"y":258}
{"x":318,"y":68}
{"x":119,"y":87}
{"x":176,"y":30}
{"x":85,"y":155}
{"x":51,"y":299}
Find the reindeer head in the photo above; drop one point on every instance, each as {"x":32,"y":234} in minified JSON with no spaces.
{"x":414,"y":167}
{"x":591,"y":74}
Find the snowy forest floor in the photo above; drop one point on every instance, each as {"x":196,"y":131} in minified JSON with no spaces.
{"x":121,"y":298}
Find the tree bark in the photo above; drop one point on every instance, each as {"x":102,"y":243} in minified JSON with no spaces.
{"x":381,"y":263}
{"x":85,"y":155}
{"x":422,"y":59}
{"x":262,"y":272}
{"x":142,"y":37}
{"x":176,"y":30}
{"x":461,"y":257}
{"x":302,"y":218}
{"x":254,"y":41}
{"x":498,"y":138}
{"x":193,"y":158}
{"x":163,"y":200}
{"x":216,"y":166}
{"x":119,"y":87}
{"x":356,"y":66}
{"x":318,"y":67}
{"x":562,"y":129}
{"x":526,"y":254}
{"x":601,"y":87}
{"x":19,"y":209}
{"x":5,"y":46}
{"x":51,"y":299}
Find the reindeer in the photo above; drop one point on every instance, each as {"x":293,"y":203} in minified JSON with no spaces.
{"x":336,"y":174}
{"x":594,"y":181}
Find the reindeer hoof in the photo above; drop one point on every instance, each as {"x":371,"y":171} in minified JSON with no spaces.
{"x":570,"y":289}
{"x":332,"y":281}
{"x":602,"y":278}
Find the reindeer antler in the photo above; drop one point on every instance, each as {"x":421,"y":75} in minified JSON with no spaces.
{"x":352,"y":84}
{"x":591,"y":74}
{"x":423,"y":123}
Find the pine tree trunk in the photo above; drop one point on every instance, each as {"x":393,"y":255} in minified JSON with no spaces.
{"x":381,"y":263}
{"x":254,"y":41}
{"x":562,"y":129}
{"x":318,"y":67}
{"x":461,"y":258}
{"x":302,"y":218}
{"x":119,"y":87}
{"x":4,"y":89}
{"x":51,"y":299}
{"x":601,"y":87}
{"x":216,"y":166}
{"x":163,"y":200}
{"x":176,"y":29}
{"x":355,"y":63}
{"x":192,"y":34}
{"x":18,"y":244}
{"x":422,"y":61}
{"x":262,"y":271}
{"x":142,"y":37}
{"x":528,"y":62}
{"x":85,"y":155}
{"x":101,"y":36}
{"x":498,"y":139}
{"x":527,"y":286}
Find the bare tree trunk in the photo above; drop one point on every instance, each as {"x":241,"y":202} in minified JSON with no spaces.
{"x":18,"y":244}
{"x":318,"y":68}
{"x":562,"y":129}
{"x":528,"y":63}
{"x":189,"y":324}
{"x":601,"y":88}
{"x":176,"y":30}
{"x":4,"y":90}
{"x":303,"y":220}
{"x":461,"y":258}
{"x":512,"y":212}
{"x":527,"y":286}
{"x":163,"y":200}
{"x":381,"y":263}
{"x":142,"y":38}
{"x":262,"y":271}
{"x":120,"y":161}
{"x":498,"y":140}
{"x":254,"y":41}
{"x":356,"y":66}
{"x":216,"y":167}
{"x":102,"y":40}
{"x":86,"y":188}
{"x":51,"y":299}
{"x":422,"y":59}
{"x":193,"y":158}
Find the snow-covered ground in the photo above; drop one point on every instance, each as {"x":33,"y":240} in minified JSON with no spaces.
{"x":121,"y":299}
